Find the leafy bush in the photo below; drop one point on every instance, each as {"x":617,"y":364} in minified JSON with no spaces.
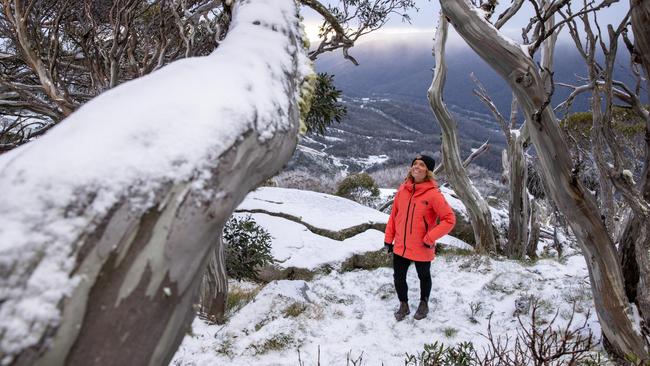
{"x":437,"y":354}
{"x":248,"y":247}
{"x":360,"y":188}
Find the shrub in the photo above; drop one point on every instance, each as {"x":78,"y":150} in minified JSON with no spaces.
{"x":535,"y":343}
{"x":277,"y":342}
{"x":436,"y":354}
{"x":450,"y":332}
{"x":248,"y":247}
{"x":358,"y":187}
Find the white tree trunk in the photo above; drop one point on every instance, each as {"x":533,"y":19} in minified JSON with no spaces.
{"x":519,"y":211}
{"x":535,"y":230}
{"x":478,"y":209}
{"x":140,"y":263}
{"x":575,"y":202}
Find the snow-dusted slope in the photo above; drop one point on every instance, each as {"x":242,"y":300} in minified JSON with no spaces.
{"x":353,"y":312}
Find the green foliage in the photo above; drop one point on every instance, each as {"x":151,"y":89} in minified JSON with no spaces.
{"x":624,"y":121}
{"x":248,"y":247}
{"x":450,"y":332}
{"x":437,"y":354}
{"x":356,"y":186}
{"x":325,"y":107}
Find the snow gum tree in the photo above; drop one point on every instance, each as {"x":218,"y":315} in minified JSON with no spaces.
{"x":510,"y":60}
{"x":109,"y":219}
{"x":477,"y":207}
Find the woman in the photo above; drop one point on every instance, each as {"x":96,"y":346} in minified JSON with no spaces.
{"x":412,"y":231}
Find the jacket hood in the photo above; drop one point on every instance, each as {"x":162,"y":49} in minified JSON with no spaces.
{"x":419,"y":187}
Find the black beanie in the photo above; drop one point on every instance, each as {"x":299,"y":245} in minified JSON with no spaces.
{"x":428,"y":161}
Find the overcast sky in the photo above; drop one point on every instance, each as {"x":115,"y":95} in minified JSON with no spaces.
{"x":424,"y":20}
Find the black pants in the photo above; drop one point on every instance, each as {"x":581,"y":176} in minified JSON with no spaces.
{"x":400,"y":267}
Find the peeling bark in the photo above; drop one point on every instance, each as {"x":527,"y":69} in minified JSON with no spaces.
{"x":477,"y":208}
{"x":575,"y":202}
{"x":214,"y":287}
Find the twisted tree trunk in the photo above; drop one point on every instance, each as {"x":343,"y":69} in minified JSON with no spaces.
{"x":634,"y":248}
{"x":131,"y":259}
{"x":477,"y":208}
{"x":575,"y":202}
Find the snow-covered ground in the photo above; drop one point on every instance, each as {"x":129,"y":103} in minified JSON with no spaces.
{"x":350,"y":314}
{"x":352,"y":311}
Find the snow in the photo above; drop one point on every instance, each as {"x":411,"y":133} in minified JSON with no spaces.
{"x":352,"y":312}
{"x":164,"y":127}
{"x":312,"y":207}
{"x":295,"y":246}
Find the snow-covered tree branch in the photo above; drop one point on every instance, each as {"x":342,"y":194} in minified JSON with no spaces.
{"x":109,"y":219}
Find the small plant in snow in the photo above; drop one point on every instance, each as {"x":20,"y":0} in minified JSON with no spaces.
{"x":248,"y":247}
{"x":239,"y":297}
{"x":226,"y":346}
{"x":450,"y":332}
{"x":474,"y":308}
{"x":437,"y":354}
{"x":295,"y":309}
{"x":276,"y":343}
{"x":523,"y":303}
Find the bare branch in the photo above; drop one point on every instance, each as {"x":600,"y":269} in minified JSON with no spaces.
{"x":508,"y":13}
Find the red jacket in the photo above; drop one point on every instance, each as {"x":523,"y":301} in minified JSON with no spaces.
{"x":412,"y":226}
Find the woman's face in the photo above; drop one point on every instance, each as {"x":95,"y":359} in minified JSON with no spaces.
{"x":419,"y":170}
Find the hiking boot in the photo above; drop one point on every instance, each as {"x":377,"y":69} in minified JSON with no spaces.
{"x":422,"y":311}
{"x":403,"y":311}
